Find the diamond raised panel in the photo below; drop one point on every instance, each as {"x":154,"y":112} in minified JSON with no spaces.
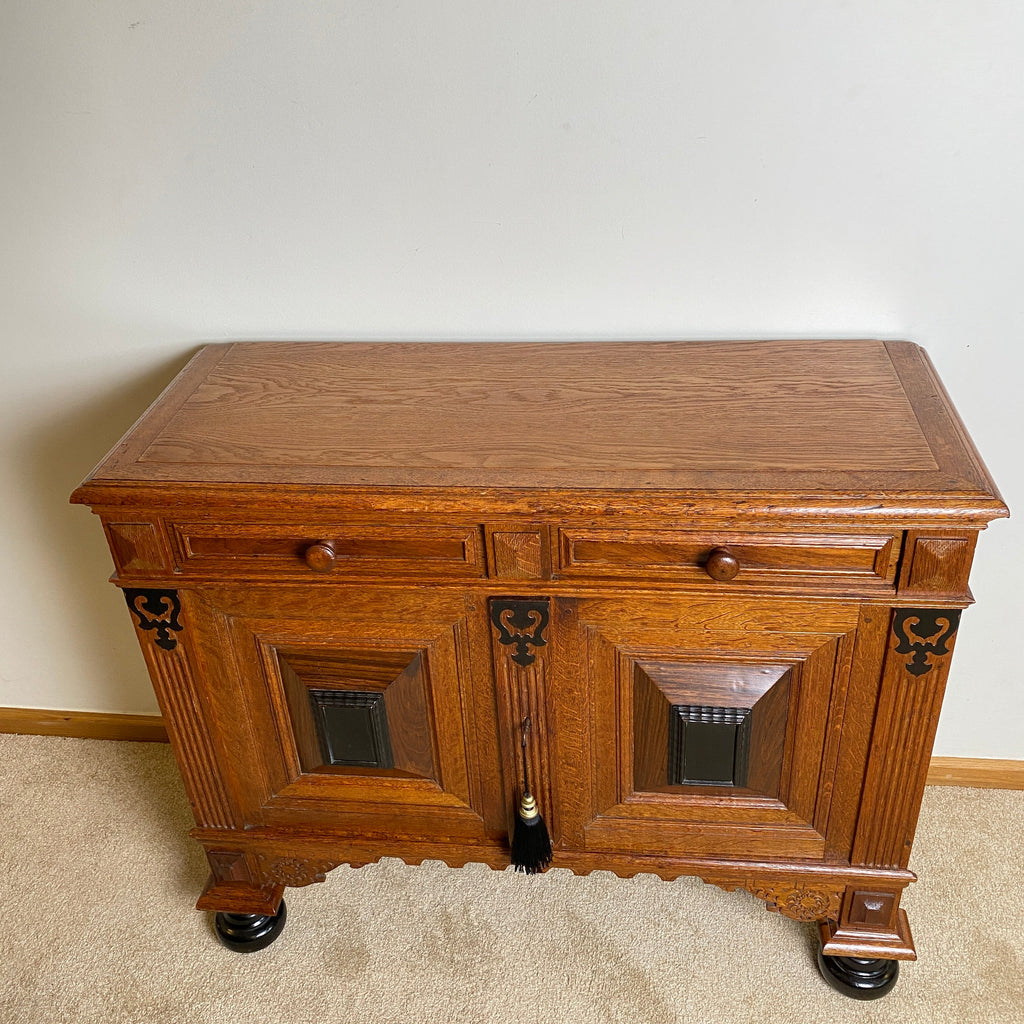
{"x":765,"y":698}
{"x":359,"y":708}
{"x":408,"y":653}
{"x":709,"y":724}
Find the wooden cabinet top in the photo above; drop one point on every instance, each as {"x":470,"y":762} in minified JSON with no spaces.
{"x":864,"y":426}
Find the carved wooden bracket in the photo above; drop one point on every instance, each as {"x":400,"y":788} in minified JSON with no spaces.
{"x":924,"y":633}
{"x":292,"y":870}
{"x":521,"y":623}
{"x":802,"y":901}
{"x":157,"y":610}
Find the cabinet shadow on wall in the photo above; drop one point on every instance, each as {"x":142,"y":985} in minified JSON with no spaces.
{"x":70,"y":560}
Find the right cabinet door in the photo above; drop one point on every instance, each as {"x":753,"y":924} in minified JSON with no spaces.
{"x":702,"y":728}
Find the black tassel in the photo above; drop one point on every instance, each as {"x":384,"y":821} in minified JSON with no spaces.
{"x":531,"y":844}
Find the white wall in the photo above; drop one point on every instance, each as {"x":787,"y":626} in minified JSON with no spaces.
{"x":178,"y":172}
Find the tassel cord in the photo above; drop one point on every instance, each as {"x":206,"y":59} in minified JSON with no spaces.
{"x":526,"y":773}
{"x":531,"y":844}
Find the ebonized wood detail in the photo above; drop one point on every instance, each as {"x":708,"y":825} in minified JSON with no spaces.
{"x":708,"y":746}
{"x":156,"y":610}
{"x":859,"y":977}
{"x":520,"y":623}
{"x":248,"y":933}
{"x":924,"y":634}
{"x":352,"y":727}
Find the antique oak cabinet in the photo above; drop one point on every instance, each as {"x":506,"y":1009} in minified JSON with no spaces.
{"x":722,"y":580}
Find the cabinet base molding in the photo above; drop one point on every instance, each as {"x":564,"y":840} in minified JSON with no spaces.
{"x":844,"y":939}
{"x":976,"y":772}
{"x":240,"y":897}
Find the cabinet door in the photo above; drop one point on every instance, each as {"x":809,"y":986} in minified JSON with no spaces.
{"x":707,"y":728}
{"x":353,"y":710}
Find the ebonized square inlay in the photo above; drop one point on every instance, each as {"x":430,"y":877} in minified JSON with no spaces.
{"x":708,"y":746}
{"x":352,"y":727}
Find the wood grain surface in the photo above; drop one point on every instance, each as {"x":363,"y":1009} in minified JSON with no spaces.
{"x":486,"y":532}
{"x":844,"y":417}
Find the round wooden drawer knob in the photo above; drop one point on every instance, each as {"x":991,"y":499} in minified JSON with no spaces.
{"x":321,"y":557}
{"x":722,"y":564}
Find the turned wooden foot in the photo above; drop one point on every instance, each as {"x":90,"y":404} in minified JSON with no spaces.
{"x":246,"y":933}
{"x":858,"y":977}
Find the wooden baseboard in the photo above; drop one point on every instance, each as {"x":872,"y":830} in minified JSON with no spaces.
{"x":91,"y":725}
{"x":980,"y":772}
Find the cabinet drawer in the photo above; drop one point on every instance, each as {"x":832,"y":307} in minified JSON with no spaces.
{"x":730,"y":558}
{"x":323,"y":551}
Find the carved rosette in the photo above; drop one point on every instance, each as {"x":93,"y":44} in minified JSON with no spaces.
{"x":800,"y":901}
{"x":292,"y":871}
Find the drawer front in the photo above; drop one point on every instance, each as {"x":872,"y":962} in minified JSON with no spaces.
{"x":862,"y":560}
{"x":324,"y":551}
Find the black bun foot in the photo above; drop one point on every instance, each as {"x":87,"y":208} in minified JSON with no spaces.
{"x":859,"y":978}
{"x":246,"y":933}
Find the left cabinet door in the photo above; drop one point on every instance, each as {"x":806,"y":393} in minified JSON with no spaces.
{"x":352,"y":712}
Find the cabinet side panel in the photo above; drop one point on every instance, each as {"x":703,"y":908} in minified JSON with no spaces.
{"x":172,"y":669}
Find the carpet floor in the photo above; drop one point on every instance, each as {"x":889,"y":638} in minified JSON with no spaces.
{"x":98,"y":879}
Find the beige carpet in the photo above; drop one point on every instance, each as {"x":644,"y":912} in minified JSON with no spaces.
{"x":98,"y":879}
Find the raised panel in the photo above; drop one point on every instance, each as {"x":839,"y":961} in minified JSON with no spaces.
{"x":519,"y":554}
{"x":136,"y":548}
{"x":376,"y":700}
{"x":295,"y":649}
{"x":937,"y":564}
{"x":757,"y":777}
{"x":707,"y":723}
